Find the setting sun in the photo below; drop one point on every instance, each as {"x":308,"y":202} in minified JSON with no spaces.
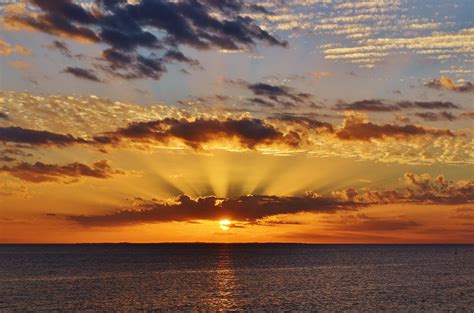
{"x":224,"y":224}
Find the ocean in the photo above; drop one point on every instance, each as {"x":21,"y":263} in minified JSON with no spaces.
{"x":236,"y":277}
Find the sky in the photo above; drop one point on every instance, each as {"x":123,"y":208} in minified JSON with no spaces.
{"x":314,"y":121}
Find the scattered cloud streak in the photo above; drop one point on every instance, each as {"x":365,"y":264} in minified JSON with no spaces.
{"x":41,"y":172}
{"x":36,"y":137}
{"x":268,"y":95}
{"x":82,"y":73}
{"x":376,"y":105}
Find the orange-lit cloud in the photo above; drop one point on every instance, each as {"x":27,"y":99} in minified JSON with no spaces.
{"x":7,"y":49}
{"x":20,"y":64}
{"x":357,"y":127}
{"x":448,"y":84}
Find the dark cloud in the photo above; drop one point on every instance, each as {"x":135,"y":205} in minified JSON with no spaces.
{"x":82,"y":73}
{"x":128,"y":27}
{"x":443,"y":116}
{"x":260,"y":102}
{"x":245,"y":208}
{"x":41,"y":172}
{"x":306,"y":122}
{"x":4,"y":116}
{"x":272,"y":95}
{"x":357,"y":128}
{"x":60,"y":46}
{"x":177,"y":56}
{"x":132,"y":66}
{"x":436,"y":116}
{"x":248,"y":132}
{"x":430,"y":105}
{"x":447,"y":84}
{"x":377,"y":105}
{"x":6,"y":158}
{"x":54,"y":22}
{"x":230,"y":6}
{"x":10,"y":154}
{"x":276,"y":92}
{"x":37,"y":137}
{"x":371,"y":105}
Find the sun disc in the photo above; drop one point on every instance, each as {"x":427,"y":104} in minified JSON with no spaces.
{"x":224,"y":224}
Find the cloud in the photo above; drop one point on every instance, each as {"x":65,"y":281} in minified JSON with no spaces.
{"x":309,"y":124}
{"x":248,"y":133}
{"x":245,"y":208}
{"x":370,"y":105}
{"x":41,"y":172}
{"x":431,"y":105}
{"x":82,"y":73}
{"x":91,"y":121}
{"x":194,"y":133}
{"x":377,"y":105}
{"x":10,"y":154}
{"x":36,"y":137}
{"x":260,"y":102}
{"x":467,"y":115}
{"x":448,"y":84}
{"x":51,"y":23}
{"x":7,"y":49}
{"x":129,"y":28}
{"x":357,"y":127}
{"x":4,"y":116}
{"x":422,"y":189}
{"x":274,"y":94}
{"x":20,"y":64}
{"x":60,"y":46}
{"x":131,"y":66}
{"x":443,"y":116}
{"x":436,"y":116}
{"x":368,"y":51}
{"x":177,"y":56}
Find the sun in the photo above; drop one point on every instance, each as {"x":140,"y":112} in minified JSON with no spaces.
{"x":224,"y":224}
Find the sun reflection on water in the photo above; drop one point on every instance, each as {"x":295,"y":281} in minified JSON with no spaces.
{"x":226,"y":283}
